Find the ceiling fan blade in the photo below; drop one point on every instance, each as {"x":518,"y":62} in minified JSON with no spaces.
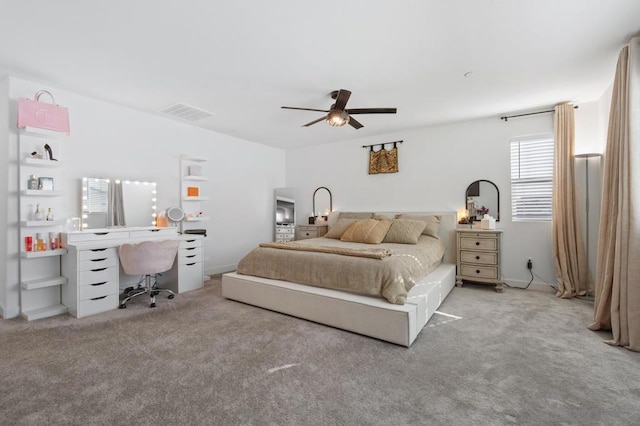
{"x":306,"y":109}
{"x":342,"y":98}
{"x":355,"y":123}
{"x":315,"y":121}
{"x":372,"y":111}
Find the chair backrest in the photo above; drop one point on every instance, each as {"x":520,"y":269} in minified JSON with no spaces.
{"x":148,"y":257}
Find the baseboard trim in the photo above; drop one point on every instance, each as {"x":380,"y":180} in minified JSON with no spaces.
{"x":218,"y":270}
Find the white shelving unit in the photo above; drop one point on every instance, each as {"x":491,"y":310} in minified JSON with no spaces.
{"x":39,"y":271}
{"x":192,"y":205}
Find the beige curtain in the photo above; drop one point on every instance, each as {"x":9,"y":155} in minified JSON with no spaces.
{"x":572,"y":274}
{"x":617,"y":304}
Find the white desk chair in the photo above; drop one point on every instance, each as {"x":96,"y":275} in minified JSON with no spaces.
{"x":147,"y":258}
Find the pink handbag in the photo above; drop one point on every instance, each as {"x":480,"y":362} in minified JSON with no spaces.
{"x":49,"y":116}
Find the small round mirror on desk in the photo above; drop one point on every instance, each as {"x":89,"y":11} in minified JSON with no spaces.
{"x":175,"y":215}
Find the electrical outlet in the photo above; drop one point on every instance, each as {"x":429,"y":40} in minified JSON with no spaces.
{"x":529,"y":264}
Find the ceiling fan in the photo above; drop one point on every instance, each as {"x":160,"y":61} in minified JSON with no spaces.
{"x":339,"y":115}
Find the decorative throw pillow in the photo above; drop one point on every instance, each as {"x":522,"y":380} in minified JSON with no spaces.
{"x":369,"y":231}
{"x":433,"y":223}
{"x":338,"y":228}
{"x":381,"y":217}
{"x":355,"y":215}
{"x":405,"y":231}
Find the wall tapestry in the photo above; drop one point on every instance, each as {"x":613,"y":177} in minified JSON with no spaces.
{"x":383,"y":161}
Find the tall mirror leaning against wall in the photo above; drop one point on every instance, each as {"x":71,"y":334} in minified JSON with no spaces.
{"x":115,"y":203}
{"x":284,"y":214}
{"x":482,"y":197}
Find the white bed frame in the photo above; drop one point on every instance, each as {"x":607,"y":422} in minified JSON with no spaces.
{"x":370,"y":316}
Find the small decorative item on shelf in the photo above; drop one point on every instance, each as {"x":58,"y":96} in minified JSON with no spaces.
{"x":37,"y":214}
{"x":45,"y":183}
{"x":36,"y":155}
{"x":49,"y":216}
{"x":193,"y":191}
{"x":54,"y":240}
{"x":49,"y":152}
{"x":41,"y":245}
{"x":32,"y":183}
{"x":28,"y":243}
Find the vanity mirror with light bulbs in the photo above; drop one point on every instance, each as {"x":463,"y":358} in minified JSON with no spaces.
{"x":117,"y":203}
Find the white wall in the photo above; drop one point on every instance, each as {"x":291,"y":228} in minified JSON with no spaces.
{"x":111,"y":141}
{"x":436,"y":166}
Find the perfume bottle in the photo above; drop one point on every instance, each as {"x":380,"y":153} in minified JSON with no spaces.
{"x":37,"y":215}
{"x":49,"y":215}
{"x":41,"y":245}
{"x":32,"y":183}
{"x":54,"y":240}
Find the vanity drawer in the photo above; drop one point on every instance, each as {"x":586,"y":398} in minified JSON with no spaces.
{"x":97,"y":236}
{"x":153,"y":233}
{"x":190,"y":258}
{"x":479,"y":243}
{"x":190,"y":276}
{"x":97,"y":275}
{"x":479,"y":257}
{"x":104,"y":288}
{"x":101,"y":262}
{"x":189,"y":251}
{"x":284,"y":237}
{"x":197,"y":242}
{"x":100,"y":253}
{"x":490,"y":272}
{"x":96,"y":305}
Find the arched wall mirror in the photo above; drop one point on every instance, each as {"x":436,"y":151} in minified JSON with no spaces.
{"x":482,"y":197}
{"x":322,"y":201}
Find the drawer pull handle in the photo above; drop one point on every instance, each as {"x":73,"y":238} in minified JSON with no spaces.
{"x":190,"y":256}
{"x":95,"y":250}
{"x":477,"y":271}
{"x":98,"y":298}
{"x":190,"y":241}
{"x":190,"y":248}
{"x":99,"y":260}
{"x":190,"y":264}
{"x":97,"y":284}
{"x":100,"y":233}
{"x":98,"y":270}
{"x":477,"y":243}
{"x":154,"y":230}
{"x":477,"y":257}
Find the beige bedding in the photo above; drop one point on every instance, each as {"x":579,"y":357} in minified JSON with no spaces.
{"x":390,"y":277}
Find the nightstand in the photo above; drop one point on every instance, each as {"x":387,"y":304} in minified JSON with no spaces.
{"x":479,"y":256}
{"x":310,"y":231}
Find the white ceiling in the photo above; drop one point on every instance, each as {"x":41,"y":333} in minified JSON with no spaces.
{"x":244,"y":59}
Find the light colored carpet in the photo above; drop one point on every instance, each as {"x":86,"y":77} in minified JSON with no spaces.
{"x":520,"y":357}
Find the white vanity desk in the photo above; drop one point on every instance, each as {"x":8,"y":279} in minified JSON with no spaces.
{"x":92,"y":267}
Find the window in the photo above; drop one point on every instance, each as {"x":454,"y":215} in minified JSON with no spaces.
{"x":531,"y":179}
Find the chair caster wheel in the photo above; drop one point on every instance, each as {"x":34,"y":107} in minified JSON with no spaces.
{"x":122,"y":306}
{"x":127,"y":290}
{"x":155,"y":293}
{"x":171,"y":296}
{"x":153,"y":305}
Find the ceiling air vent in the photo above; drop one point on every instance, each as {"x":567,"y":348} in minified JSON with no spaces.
{"x":186,"y":112}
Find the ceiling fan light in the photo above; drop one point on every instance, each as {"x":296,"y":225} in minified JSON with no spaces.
{"x":337,"y":118}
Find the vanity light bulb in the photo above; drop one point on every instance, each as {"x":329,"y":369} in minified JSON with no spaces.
{"x":117,"y":180}
{"x":84,"y":198}
{"x":107,"y":180}
{"x":84,"y":216}
{"x":84,"y":207}
{"x":84,"y":225}
{"x":153,"y":199}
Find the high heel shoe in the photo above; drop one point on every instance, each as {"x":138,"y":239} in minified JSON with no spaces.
{"x":49,"y":152}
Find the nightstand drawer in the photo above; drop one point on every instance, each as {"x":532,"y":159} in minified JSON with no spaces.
{"x":313,"y":233}
{"x":490,"y":272}
{"x":479,"y":257}
{"x":475,"y":243}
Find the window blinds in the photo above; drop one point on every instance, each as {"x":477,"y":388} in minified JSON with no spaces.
{"x":532,"y":179}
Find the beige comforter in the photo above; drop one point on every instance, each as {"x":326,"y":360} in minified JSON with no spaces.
{"x":390,"y":277}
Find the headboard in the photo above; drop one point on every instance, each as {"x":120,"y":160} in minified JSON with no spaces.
{"x":447,"y":231}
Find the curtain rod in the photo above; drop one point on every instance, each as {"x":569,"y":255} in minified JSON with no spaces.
{"x":506,"y":117}
{"x":383,"y":144}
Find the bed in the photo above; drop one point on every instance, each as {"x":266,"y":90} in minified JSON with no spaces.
{"x":394,"y":310}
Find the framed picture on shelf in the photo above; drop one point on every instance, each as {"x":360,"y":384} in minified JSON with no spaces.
{"x":45,"y":183}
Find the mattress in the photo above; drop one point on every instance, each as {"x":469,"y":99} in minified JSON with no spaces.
{"x":391,"y":277}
